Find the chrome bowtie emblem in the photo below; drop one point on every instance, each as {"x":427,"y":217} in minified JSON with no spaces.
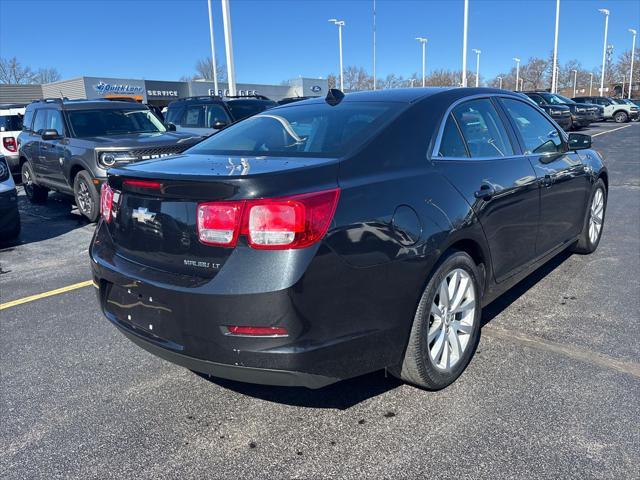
{"x":143,"y":215}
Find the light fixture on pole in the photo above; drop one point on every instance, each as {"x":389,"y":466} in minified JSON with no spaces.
{"x":339,"y":24}
{"x":213,"y":53}
{"x":423,"y":41}
{"x":517,"y":60}
{"x":500,"y":80}
{"x":633,"y":51}
{"x":575,"y":80}
{"x":477,"y":52}
{"x":554,"y":78}
{"x":590,"y":82}
{"x":605,"y":12}
{"x":464,"y":42}
{"x":228,"y":44}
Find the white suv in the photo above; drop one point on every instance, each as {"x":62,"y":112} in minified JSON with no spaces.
{"x":10,"y":127}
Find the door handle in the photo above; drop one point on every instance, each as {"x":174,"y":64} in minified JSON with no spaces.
{"x":44,"y":146}
{"x":546,"y":181}
{"x":486,"y":192}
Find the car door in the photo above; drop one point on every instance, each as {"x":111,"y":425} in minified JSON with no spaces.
{"x":37,"y":157}
{"x":481,"y":158}
{"x":607,"y":104}
{"x":53,"y":152}
{"x":561,"y":174}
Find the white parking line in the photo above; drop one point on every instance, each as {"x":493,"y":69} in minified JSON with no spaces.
{"x":609,"y":131}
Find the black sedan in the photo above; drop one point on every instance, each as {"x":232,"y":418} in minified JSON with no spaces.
{"x":333,"y":237}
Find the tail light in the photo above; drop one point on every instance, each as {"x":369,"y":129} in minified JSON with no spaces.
{"x":106,"y":202}
{"x":269,"y":224}
{"x":10,"y":144}
{"x":257,"y":331}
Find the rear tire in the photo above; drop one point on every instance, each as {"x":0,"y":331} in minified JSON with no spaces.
{"x":621,"y":117}
{"x":86,"y":195}
{"x":594,"y":221}
{"x":446,"y":326}
{"x":35,"y":193}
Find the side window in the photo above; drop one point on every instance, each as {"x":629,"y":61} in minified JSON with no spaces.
{"x":55,"y":122}
{"x":482,"y":129}
{"x":193,"y":117}
{"x":215,"y":113}
{"x":40,"y":122}
{"x":539,"y":135}
{"x":537,"y":98}
{"x":174,"y":115}
{"x":26,"y":121}
{"x":451,"y":143}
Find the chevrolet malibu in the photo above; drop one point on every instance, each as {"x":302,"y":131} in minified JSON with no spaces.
{"x":332,"y":237}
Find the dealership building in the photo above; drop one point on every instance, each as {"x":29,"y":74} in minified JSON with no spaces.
{"x":154,"y":92}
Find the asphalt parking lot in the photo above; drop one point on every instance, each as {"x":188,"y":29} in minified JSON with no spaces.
{"x":553,"y":391}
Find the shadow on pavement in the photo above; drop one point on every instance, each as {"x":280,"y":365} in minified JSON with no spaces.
{"x":341,"y":395}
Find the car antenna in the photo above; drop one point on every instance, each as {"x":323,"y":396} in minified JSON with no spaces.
{"x":334,"y":97}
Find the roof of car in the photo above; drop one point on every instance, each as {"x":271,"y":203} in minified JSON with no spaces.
{"x":87,"y":104}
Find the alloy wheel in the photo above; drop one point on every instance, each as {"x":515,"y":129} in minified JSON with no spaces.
{"x":596,"y":216}
{"x":85,"y":203}
{"x":451,"y":319}
{"x":27,"y":182}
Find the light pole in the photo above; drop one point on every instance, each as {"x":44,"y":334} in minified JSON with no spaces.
{"x":554,"y":79}
{"x":624,"y":77}
{"x":521,"y":84}
{"x":605,"y":12}
{"x":517,"y":60}
{"x":477,"y":52}
{"x":633,"y":51}
{"x":231,"y":72}
{"x":374,"y":44}
{"x":423,"y":41}
{"x":464,"y":43}
{"x":213,"y":52}
{"x":339,"y":24}
{"x":500,"y":80}
{"x":575,"y":80}
{"x":590,"y":82}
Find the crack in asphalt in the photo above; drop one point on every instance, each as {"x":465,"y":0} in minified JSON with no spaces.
{"x":576,"y":353}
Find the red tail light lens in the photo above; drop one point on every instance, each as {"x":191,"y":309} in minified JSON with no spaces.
{"x":142,"y":184}
{"x":10,"y":144}
{"x":258,"y":331}
{"x":269,"y":224}
{"x":106,"y":201}
{"x":219,"y":223}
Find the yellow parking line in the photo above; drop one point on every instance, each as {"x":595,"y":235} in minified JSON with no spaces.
{"x":609,"y":131}
{"x":50,"y":293}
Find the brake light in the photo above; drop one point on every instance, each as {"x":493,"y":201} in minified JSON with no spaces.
{"x":258,"y":331}
{"x":269,"y":224}
{"x":219,"y":223}
{"x":106,"y":202}
{"x":10,"y":144}
{"x":142,"y":184}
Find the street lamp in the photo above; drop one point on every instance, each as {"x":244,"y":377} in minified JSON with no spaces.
{"x":464,"y":43}
{"x":477,"y":52}
{"x":213,"y":52}
{"x":423,"y":41}
{"x":517,"y":60}
{"x":521,"y":84}
{"x":633,"y":51}
{"x":624,"y":77}
{"x":605,"y":12}
{"x":590,"y":82}
{"x":575,"y":80}
{"x":339,"y":24}
{"x":500,"y":79}
{"x":226,"y":23}
{"x":554,"y":78}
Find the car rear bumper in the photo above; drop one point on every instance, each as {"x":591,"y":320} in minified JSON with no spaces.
{"x":13,"y":161}
{"x":9,"y":215}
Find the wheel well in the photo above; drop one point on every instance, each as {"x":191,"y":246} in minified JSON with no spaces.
{"x":473,"y":249}
{"x":605,"y":179}
{"x":621,"y":110}
{"x":74,"y":171}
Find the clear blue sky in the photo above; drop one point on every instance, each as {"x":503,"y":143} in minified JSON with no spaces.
{"x":276,"y":40}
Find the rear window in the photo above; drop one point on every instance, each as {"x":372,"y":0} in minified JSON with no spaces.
{"x":302,"y":130}
{"x":244,"y":109}
{"x":10,"y":123}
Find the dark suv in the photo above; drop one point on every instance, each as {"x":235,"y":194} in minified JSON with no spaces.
{"x":247,"y":106}
{"x":615,"y":109}
{"x":582,"y":114}
{"x":68,"y":146}
{"x":199,"y":115}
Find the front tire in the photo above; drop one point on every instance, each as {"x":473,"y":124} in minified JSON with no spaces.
{"x":594,"y":223}
{"x":86,"y":195}
{"x":446,"y":326}
{"x":621,"y":117}
{"x":35,"y":193}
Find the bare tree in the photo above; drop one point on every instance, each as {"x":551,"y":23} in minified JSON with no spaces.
{"x":204,"y":70}
{"x":534,"y":73}
{"x":47,"y":75}
{"x":12,"y":71}
{"x":444,"y":78}
{"x":332,"y":81}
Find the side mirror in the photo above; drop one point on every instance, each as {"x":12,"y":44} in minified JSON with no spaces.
{"x":219,"y":125}
{"x":51,"y":134}
{"x":579,"y":141}
{"x":170,"y":127}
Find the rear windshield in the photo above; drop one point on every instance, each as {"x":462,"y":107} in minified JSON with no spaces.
{"x":241,"y":110}
{"x":302,"y":130}
{"x":10,"y":123}
{"x":93,"y":123}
